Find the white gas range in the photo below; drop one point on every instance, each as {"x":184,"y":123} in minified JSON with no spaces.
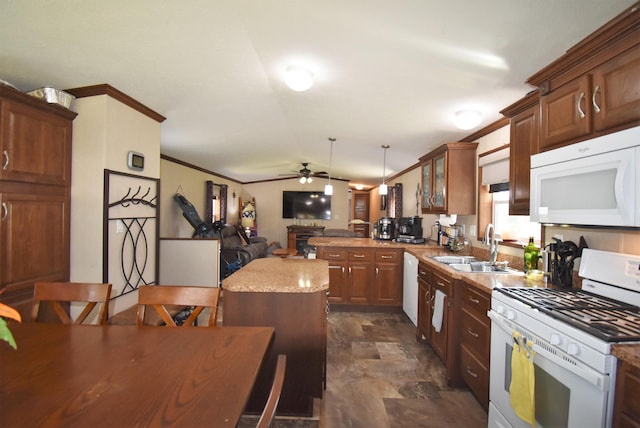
{"x":570,"y":333}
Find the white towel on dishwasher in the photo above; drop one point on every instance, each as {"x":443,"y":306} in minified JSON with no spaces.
{"x":438,"y":310}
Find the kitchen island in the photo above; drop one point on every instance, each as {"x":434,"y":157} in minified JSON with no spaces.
{"x":290,"y":295}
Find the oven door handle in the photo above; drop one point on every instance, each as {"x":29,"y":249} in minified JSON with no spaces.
{"x":586,"y":373}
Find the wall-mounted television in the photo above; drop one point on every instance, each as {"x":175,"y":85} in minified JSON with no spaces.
{"x":306,"y":205}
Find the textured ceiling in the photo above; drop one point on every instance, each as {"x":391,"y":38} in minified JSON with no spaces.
{"x":385,"y":72}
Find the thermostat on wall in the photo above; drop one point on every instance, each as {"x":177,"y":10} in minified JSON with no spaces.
{"x":135,"y":161}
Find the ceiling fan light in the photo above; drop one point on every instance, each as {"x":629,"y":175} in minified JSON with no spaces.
{"x":303,"y":180}
{"x":328,"y":189}
{"x":309,"y":179}
{"x":298,"y":79}
{"x":467,"y":119}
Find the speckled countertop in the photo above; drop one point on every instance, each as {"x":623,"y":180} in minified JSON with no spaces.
{"x":280,"y":275}
{"x":628,"y":353}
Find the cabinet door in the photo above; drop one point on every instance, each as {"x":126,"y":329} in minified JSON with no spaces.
{"x":424,"y":310}
{"x":387,"y":288}
{"x":427,"y":185}
{"x":360,"y":280}
{"x":36,"y":145}
{"x":439,"y":183}
{"x":616,"y":91}
{"x":566,"y":113}
{"x":337,"y":283}
{"x":439,"y":339}
{"x":34,"y":233}
{"x":524,"y":143}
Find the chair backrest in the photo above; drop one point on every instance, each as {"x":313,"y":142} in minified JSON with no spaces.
{"x":58,"y":292}
{"x":269,"y":412}
{"x":162,"y":296}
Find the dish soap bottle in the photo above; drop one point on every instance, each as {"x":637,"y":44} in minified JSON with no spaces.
{"x":530,"y":256}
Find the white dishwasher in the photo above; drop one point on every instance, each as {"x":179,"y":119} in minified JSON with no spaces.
{"x":410,"y":287}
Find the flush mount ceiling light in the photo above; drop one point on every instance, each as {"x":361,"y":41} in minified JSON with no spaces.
{"x":467,"y":119}
{"x":298,"y":78}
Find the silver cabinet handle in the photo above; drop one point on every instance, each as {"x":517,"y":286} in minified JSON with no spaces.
{"x":5,"y":154}
{"x":474,"y":300}
{"x":377,"y":272}
{"x":386,"y":257}
{"x":473,"y":333}
{"x":579,"y":106}
{"x":5,"y":211}
{"x":596,"y":107}
{"x":471,"y":373}
{"x":359,"y":256}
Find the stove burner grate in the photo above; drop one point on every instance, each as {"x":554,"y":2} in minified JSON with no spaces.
{"x":605,"y":318}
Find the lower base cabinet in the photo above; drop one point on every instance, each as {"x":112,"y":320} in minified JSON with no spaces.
{"x":475,"y":341}
{"x":626,"y":410}
{"x":362,"y":276}
{"x":430,"y":312}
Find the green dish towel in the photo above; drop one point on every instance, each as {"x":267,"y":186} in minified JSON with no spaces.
{"x":522,"y":387}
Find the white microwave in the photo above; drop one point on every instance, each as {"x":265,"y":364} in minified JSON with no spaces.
{"x":594,"y":182}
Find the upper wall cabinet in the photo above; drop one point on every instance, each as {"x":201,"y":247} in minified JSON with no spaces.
{"x":594,"y":88}
{"x":448,"y":179}
{"x":524,"y":126}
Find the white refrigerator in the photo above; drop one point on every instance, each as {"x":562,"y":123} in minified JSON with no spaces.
{"x":410,"y":287}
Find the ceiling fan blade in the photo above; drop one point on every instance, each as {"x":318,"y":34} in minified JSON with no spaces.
{"x":320,"y":173}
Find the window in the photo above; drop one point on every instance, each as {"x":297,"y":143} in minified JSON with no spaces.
{"x":511,"y":227}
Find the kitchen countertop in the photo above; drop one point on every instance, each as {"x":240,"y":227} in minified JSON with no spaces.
{"x":280,"y":275}
{"x":627,"y":353}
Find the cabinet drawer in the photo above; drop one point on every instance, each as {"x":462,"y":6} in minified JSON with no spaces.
{"x":475,"y":302}
{"x":388,"y":256}
{"x":476,"y":375}
{"x":476,"y":335}
{"x":441,"y":283}
{"x":424,"y":273}
{"x":333,"y":254}
{"x":360,"y":255}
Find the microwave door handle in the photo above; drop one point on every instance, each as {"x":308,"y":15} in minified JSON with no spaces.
{"x":624,"y":180}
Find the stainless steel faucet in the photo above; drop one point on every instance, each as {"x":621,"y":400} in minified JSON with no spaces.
{"x":491,"y":242}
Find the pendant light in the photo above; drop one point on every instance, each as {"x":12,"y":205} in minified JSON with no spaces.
{"x":328,"y":188}
{"x":383,"y":186}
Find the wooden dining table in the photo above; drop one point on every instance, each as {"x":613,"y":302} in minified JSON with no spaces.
{"x":126,"y":376}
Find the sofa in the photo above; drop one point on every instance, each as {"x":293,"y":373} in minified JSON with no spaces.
{"x":237,"y":250}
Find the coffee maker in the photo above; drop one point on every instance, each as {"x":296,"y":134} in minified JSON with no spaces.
{"x":385,"y":228}
{"x":410,"y":230}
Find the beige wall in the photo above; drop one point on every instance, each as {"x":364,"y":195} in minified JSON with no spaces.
{"x":268,"y":196}
{"x":191,"y":183}
{"x":104,"y":131}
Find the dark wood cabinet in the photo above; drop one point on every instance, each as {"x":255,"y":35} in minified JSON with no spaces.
{"x":475,"y":341}
{"x":594,"y":88}
{"x":448,"y":179}
{"x":297,"y":236}
{"x":626,"y":411}
{"x":387,"y":289}
{"x":442,"y":340}
{"x":35,"y":141}
{"x":524,"y":129}
{"x":364,"y":276}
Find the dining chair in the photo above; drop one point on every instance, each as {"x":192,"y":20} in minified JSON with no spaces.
{"x":57,"y":293}
{"x":164,"y":297}
{"x":269,"y":412}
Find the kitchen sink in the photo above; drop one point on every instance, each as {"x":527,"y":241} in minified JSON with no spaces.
{"x":484,"y":267}
{"x":473,"y":265}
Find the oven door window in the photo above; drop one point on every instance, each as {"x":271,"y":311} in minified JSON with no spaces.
{"x":552,"y":397}
{"x":560,"y":392}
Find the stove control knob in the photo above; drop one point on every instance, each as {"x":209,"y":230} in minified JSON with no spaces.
{"x":511,"y":315}
{"x":556,"y":339}
{"x":500,"y":309}
{"x":573,"y":349}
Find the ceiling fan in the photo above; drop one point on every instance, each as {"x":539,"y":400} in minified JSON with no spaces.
{"x":305,"y":174}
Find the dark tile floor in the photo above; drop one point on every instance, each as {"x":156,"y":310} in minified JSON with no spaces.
{"x":378,"y":375}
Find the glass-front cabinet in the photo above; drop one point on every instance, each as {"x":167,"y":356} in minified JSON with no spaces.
{"x":448,"y":179}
